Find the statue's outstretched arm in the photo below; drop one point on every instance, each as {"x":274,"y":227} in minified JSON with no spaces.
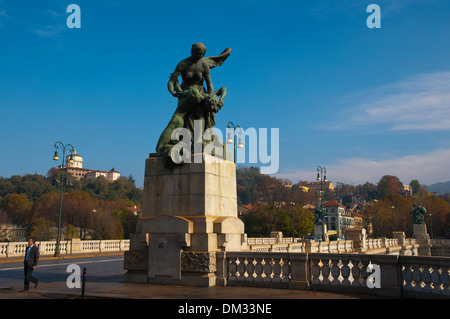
{"x":222,"y":92}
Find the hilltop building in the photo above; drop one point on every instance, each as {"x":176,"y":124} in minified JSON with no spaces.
{"x":76,"y":169}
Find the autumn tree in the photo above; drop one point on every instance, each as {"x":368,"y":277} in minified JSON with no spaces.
{"x":47,"y":207}
{"x":106,"y":226}
{"x":419,"y":191}
{"x":298,"y":196}
{"x":389,"y":184}
{"x":393,"y":213}
{"x":4,"y":218}
{"x":17,"y":207}
{"x":78,"y":210}
{"x":437,"y":217}
{"x":43,"y":229}
{"x":401,"y":213}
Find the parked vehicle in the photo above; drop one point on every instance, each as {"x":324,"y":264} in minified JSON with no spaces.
{"x":315,"y":238}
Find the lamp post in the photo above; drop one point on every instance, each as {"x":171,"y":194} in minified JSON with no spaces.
{"x":60,"y":145}
{"x":339,"y":198}
{"x":393,"y":217}
{"x":321,"y":171}
{"x":233,"y":140}
{"x":431,"y":225}
{"x":376,"y":215}
{"x":292,"y":209}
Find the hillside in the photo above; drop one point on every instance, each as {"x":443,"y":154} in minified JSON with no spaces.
{"x":441,"y":188}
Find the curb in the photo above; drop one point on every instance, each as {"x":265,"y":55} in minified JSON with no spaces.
{"x":19,"y":259}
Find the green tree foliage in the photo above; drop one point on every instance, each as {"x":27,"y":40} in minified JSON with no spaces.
{"x":302,"y":221}
{"x":262,"y":220}
{"x":33,"y":186}
{"x":415,"y":185}
{"x":98,"y":205}
{"x":43,"y":229}
{"x":247,"y":179}
{"x":70,"y":232}
{"x":265,"y":218}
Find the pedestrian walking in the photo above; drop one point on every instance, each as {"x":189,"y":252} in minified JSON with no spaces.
{"x":30,"y":263}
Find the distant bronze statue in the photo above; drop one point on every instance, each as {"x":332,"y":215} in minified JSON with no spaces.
{"x":319,"y":216}
{"x":418,"y":212}
{"x":195,"y":103}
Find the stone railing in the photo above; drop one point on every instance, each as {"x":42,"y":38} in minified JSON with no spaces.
{"x":400,"y":276}
{"x":271,"y":240}
{"x":440,"y":247}
{"x":67,"y":247}
{"x":395,"y":246}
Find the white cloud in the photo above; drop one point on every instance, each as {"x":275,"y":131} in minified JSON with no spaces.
{"x":428,"y":168}
{"x":419,"y":103}
{"x":49,"y":31}
{"x":3,"y":15}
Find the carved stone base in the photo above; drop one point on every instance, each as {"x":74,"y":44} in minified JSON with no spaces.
{"x":189,"y":213}
{"x":423,"y":239}
{"x":198,"y":269}
{"x":318,"y":231}
{"x":420,"y":232}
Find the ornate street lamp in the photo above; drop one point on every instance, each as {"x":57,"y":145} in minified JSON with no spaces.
{"x":292,"y":209}
{"x":376,"y":215}
{"x":431,"y":224}
{"x":59,"y":145}
{"x":231,"y":140}
{"x":393,"y":217}
{"x":321,"y":171}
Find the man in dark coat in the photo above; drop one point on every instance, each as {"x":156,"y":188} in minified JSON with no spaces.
{"x":30,"y":264}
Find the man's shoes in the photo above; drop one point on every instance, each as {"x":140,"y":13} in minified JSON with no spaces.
{"x":36,"y":283}
{"x":25,"y":290}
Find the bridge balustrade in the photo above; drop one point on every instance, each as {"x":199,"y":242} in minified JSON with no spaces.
{"x":400,"y":276}
{"x":67,"y":247}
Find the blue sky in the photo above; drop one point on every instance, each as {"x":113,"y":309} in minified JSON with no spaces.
{"x":361,"y":102}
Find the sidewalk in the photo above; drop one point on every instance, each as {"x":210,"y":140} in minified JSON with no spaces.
{"x":71,"y":256}
{"x":120,"y":290}
{"x":145,"y":291}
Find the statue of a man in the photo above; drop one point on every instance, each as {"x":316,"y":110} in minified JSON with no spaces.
{"x":195,"y":103}
{"x":319,"y":216}
{"x":418,"y":212}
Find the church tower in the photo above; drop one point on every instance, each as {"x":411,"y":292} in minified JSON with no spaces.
{"x":77,"y":160}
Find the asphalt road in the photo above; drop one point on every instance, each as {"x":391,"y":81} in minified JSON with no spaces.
{"x":98,"y":269}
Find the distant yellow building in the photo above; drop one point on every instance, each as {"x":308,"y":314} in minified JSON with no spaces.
{"x":315,"y":186}
{"x":304,"y":188}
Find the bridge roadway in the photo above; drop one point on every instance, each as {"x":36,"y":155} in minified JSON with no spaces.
{"x":104,"y":280}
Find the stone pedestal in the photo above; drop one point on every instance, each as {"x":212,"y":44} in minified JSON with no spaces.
{"x":423,"y":239}
{"x":358,"y":235}
{"x":318,"y":231}
{"x":420,"y":232}
{"x":188,"y":214}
